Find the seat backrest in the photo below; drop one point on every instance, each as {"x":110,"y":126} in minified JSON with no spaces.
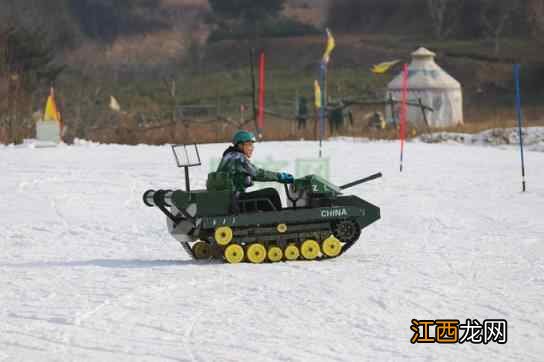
{"x":219,"y":181}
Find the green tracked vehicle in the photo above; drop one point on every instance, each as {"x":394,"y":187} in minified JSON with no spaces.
{"x":318,"y":221}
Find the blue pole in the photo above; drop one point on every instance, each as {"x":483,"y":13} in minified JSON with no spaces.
{"x":520,"y":120}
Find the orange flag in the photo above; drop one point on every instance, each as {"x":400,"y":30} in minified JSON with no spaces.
{"x":51,"y":111}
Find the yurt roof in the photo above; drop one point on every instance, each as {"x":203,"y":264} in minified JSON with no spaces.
{"x":424,"y":73}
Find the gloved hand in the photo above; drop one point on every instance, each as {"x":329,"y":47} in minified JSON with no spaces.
{"x":285,"y":178}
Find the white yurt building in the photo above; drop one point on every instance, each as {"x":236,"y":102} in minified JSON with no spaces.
{"x":434,"y":87}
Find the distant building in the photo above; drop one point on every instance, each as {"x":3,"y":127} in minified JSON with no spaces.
{"x":436,"y":89}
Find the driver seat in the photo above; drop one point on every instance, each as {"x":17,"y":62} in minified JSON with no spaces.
{"x":259,"y":200}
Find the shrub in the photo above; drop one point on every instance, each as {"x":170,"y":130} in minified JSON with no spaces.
{"x":269,"y":28}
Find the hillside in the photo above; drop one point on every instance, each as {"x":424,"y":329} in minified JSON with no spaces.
{"x":170,"y":52}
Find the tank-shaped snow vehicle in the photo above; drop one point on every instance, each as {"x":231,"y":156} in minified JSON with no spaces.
{"x":318,"y":221}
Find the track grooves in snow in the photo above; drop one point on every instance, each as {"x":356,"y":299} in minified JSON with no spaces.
{"x":89,"y":273}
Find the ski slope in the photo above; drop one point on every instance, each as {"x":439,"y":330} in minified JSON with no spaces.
{"x":88,"y":273}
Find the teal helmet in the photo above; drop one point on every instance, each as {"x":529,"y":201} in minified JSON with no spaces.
{"x":243,"y":137}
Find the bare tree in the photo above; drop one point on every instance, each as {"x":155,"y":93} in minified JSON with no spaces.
{"x":4,"y":80}
{"x":496,"y":15}
{"x":535,"y":18}
{"x":169,"y":84}
{"x":443,"y":16}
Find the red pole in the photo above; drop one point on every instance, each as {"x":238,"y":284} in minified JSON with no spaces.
{"x":403,"y":113}
{"x":260,"y":118}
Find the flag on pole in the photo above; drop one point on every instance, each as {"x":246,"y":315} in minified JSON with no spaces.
{"x":51,"y":111}
{"x":321,"y":87}
{"x":317,"y":93}
{"x":323,"y":109}
{"x":383,"y":67}
{"x":114,"y":105}
{"x":331,"y":44}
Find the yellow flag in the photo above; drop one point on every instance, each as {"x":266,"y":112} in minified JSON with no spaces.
{"x":114,"y":104}
{"x":51,"y":112}
{"x":331,"y":44}
{"x":317,"y":90}
{"x":383,"y":67}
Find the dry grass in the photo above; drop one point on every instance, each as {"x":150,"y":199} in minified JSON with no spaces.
{"x":307,"y":15}
{"x":184,"y":3}
{"x":151,"y":48}
{"x":147,"y":49}
{"x":221,"y":131}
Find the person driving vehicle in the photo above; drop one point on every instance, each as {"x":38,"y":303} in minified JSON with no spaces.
{"x":236,"y":163}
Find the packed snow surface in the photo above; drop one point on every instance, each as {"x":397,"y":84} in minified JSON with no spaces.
{"x":87,"y":272}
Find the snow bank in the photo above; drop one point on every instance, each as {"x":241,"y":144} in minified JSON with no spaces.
{"x":533,"y":138}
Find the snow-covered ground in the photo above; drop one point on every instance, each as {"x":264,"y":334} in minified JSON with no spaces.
{"x":87,"y":272}
{"x":533,"y":138}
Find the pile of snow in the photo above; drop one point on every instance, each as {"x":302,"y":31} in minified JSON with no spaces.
{"x":85,"y":143}
{"x":35,"y":143}
{"x":87,"y":272}
{"x":533,"y":137}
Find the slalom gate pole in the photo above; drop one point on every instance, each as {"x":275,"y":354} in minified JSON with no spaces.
{"x":403,"y":113}
{"x":520,"y":121}
{"x":323,"y":110}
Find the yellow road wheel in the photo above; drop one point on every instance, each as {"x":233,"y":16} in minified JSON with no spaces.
{"x":275,"y":253}
{"x":281,"y":228}
{"x":202,"y":250}
{"x":291,"y":252}
{"x":256,"y":253}
{"x":309,"y":249}
{"x":223,"y":235}
{"x":234,"y":253}
{"x":331,"y":246}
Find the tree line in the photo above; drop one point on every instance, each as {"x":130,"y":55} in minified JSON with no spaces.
{"x":69,"y":22}
{"x":443,"y":19}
